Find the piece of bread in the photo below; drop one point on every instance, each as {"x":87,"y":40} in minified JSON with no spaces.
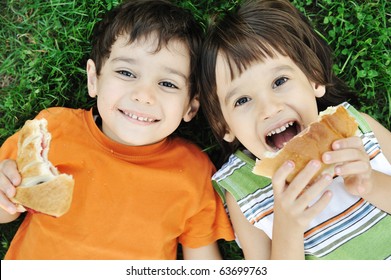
{"x":43,"y":189}
{"x":334,"y":123}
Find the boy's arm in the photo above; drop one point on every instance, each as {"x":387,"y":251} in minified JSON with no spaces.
{"x":381,"y":192}
{"x":208,"y":252}
{"x":254,"y":243}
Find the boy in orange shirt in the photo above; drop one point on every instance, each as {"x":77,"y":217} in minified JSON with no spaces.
{"x":138,"y":190}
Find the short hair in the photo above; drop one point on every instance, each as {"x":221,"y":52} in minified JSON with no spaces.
{"x":254,"y":31}
{"x":141,"y":18}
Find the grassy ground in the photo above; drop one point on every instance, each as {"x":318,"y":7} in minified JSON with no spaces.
{"x":44,"y":47}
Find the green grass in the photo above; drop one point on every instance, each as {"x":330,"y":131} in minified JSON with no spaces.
{"x":44,"y":46}
{"x":360,"y":34}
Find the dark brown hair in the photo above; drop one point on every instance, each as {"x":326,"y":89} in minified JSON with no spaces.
{"x":139,"y":19}
{"x":253,"y":31}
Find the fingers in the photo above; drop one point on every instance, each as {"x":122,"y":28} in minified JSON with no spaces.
{"x":299,"y":188}
{"x":317,"y":207}
{"x":346,"y":149}
{"x":9,"y":178}
{"x":300,"y":202}
{"x":315,"y":190}
{"x":348,"y":143}
{"x":314,"y":198}
{"x":6,"y":204}
{"x":344,"y":156}
{"x":349,"y":156}
{"x":303,"y":178}
{"x":279,"y":178}
{"x":353,"y":168}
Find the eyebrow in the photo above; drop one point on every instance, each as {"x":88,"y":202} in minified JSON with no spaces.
{"x":168,"y":69}
{"x":229,"y":95}
{"x":124,"y":59}
{"x":276,"y":69}
{"x":176,"y":72}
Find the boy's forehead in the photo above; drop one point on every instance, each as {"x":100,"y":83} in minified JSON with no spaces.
{"x":152,"y":44}
{"x":173,"y":57}
{"x":226,"y":68}
{"x":233,"y":67}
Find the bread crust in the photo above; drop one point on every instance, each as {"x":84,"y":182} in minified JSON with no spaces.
{"x":43,"y":189}
{"x":53,"y":197}
{"x":333,"y":124}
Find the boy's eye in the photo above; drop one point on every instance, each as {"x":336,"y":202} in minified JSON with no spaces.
{"x":242,"y":101}
{"x":280,"y":82}
{"x":168,"y":84}
{"x":126,"y":73}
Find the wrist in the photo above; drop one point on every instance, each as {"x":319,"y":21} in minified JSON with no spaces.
{"x":287,"y":243}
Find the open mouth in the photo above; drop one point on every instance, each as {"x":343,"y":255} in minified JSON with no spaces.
{"x":277,"y":138}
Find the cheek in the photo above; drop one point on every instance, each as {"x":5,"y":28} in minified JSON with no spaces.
{"x":245,"y":126}
{"x":104,"y":101}
{"x":111,"y":93}
{"x":106,"y":105}
{"x":174,"y":109}
{"x":244,"y":130}
{"x":310,"y":112}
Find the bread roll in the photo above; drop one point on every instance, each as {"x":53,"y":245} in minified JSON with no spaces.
{"x":43,"y":189}
{"x":334,"y":123}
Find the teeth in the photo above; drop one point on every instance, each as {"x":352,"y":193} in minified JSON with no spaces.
{"x":280,"y":129}
{"x":141,"y":119}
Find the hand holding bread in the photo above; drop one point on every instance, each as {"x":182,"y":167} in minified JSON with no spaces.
{"x":43,"y":189}
{"x":333,"y":124}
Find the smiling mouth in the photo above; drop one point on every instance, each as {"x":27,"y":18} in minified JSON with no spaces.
{"x":277,"y":138}
{"x":139,"y":118}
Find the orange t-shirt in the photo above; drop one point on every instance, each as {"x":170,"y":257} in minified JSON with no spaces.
{"x":128,"y":202}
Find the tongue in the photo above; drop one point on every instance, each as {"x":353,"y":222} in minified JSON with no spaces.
{"x":281,"y":138}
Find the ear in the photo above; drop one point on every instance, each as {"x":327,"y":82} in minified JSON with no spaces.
{"x":319,"y":90}
{"x":229,"y":137}
{"x":194,"y":105}
{"x":91,"y":78}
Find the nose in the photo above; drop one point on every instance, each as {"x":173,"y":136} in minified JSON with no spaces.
{"x":143,"y":93}
{"x":270,"y":106}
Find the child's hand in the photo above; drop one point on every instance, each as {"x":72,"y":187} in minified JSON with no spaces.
{"x":9,"y":178}
{"x":292,"y":202}
{"x":352,"y":163}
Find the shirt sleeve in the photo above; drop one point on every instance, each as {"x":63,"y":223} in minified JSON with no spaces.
{"x":210,"y":223}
